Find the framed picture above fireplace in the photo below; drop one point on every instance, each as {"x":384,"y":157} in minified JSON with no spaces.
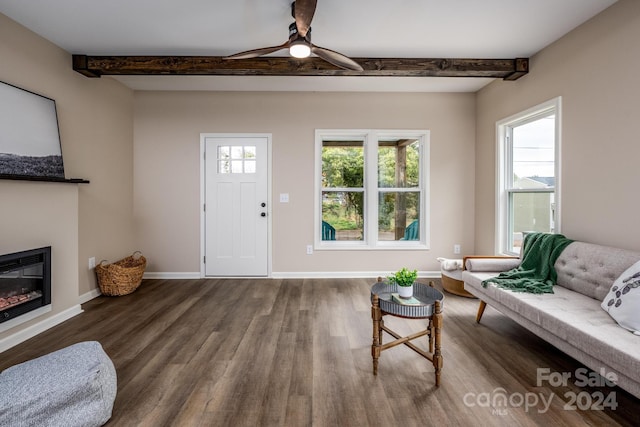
{"x":29,"y":135}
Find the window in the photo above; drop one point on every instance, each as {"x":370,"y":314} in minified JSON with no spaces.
{"x":371,"y":189}
{"x":236,"y":159}
{"x":528,"y":200}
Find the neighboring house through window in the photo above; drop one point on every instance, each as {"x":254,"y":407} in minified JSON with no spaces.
{"x":371,"y":189}
{"x":528,"y":175}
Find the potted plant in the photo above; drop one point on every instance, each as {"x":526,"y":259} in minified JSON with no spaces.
{"x":404,"y":279}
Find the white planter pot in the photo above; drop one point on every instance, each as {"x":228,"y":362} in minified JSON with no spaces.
{"x":405,"y":291}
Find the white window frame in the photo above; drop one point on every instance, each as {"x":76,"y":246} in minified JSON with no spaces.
{"x":504,"y":170}
{"x":370,"y":240}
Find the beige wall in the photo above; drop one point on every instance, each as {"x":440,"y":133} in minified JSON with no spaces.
{"x":594,"y":69}
{"x":167,"y":170}
{"x":96,"y":128}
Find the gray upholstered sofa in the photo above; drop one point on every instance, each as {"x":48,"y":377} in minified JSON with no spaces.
{"x":571,"y":318}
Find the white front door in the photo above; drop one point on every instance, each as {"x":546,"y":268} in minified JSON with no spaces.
{"x":236,"y":205}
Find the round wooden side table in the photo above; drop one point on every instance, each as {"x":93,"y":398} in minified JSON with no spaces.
{"x":430,"y":304}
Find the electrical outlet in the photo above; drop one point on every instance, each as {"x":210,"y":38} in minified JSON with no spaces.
{"x":92,"y":262}
{"x":456,"y":249}
{"x":309,"y":249}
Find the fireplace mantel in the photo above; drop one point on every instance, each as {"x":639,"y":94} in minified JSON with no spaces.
{"x":44,"y":179}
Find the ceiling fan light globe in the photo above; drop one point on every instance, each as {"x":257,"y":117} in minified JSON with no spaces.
{"x":300,"y":50}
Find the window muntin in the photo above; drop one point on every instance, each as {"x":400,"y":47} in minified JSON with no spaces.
{"x":372,"y":189}
{"x":529,"y":146}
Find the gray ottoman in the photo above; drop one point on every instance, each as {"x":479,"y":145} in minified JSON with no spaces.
{"x":75,"y":386}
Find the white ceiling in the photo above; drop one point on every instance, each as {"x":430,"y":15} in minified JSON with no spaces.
{"x":357,"y":28}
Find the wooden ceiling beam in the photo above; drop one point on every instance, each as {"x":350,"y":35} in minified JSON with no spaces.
{"x":96,"y":66}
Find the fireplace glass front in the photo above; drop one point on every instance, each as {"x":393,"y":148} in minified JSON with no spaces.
{"x":25,"y":282}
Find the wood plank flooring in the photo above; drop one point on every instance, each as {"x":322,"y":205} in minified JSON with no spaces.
{"x":271,"y":352}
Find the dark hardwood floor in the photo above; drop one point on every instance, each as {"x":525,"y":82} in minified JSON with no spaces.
{"x":298,"y":353}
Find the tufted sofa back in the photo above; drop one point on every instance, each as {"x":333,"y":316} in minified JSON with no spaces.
{"x":591,"y":269}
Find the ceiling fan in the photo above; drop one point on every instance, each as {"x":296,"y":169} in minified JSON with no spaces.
{"x":299,"y":43}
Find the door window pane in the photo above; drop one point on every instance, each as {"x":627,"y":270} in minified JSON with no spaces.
{"x":236,"y":166}
{"x":249,"y":152}
{"x":249,"y":166}
{"x":237,"y":152}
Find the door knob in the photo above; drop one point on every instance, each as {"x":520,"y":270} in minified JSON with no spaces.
{"x":263,"y":214}
{"x":263,"y":204}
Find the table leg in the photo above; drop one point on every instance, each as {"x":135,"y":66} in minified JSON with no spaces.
{"x":376,"y":315}
{"x":437,"y":355}
{"x":431,"y":333}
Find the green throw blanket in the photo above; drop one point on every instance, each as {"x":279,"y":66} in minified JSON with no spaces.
{"x":535,"y":274}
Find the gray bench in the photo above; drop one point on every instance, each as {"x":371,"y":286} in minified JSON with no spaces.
{"x":74,"y":386}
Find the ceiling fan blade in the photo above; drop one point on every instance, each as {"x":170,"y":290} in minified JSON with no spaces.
{"x":335,"y":58}
{"x":303,"y":11}
{"x":258,"y":52}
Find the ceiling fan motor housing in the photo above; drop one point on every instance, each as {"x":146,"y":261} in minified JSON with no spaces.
{"x":299,"y":47}
{"x":295,"y":35}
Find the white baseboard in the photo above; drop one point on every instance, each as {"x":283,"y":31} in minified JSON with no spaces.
{"x":33,"y":330}
{"x":89,"y":296}
{"x":171,"y":275}
{"x":297,"y":275}
{"x":345,"y":274}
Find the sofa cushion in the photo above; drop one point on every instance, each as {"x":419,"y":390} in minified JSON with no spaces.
{"x":75,"y":386}
{"x":571,"y":316}
{"x":623,"y":300}
{"x":591,"y":269}
{"x":492,"y":264}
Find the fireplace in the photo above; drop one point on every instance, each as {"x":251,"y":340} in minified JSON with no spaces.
{"x":25,"y":282}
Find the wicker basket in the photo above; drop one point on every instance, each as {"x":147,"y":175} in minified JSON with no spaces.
{"x":121,"y":277}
